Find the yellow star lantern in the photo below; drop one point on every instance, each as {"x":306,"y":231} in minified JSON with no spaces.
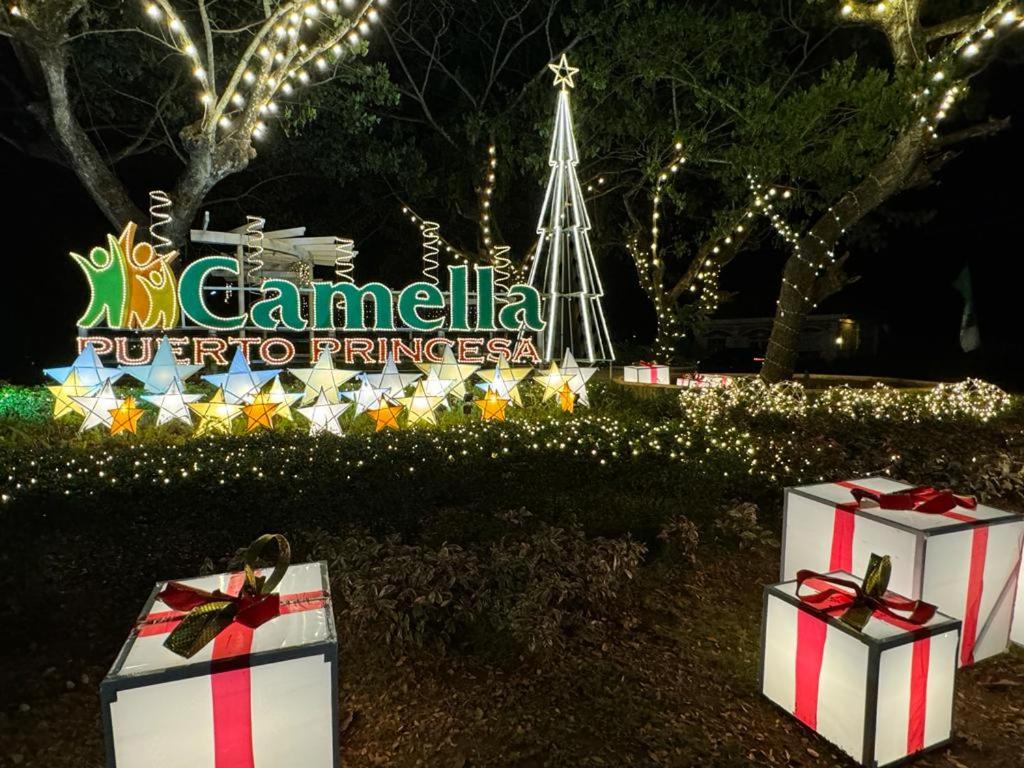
{"x":567,"y":398}
{"x":215,"y":415}
{"x":385,"y":415}
{"x":451,"y":373}
{"x":553,"y":381}
{"x":422,"y":406}
{"x":505,"y":380}
{"x":563,"y":72}
{"x":492,"y":406}
{"x":125,"y":418}
{"x":259,"y":412}
{"x":63,"y":394}
{"x":284,"y":400}
{"x":321,"y":377}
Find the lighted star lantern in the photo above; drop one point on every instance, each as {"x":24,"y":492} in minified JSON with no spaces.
{"x":422,"y":406}
{"x":97,"y":408}
{"x":563,"y":72}
{"x":567,"y":398}
{"x":64,"y":394}
{"x":323,"y":415}
{"x":322,"y":377}
{"x":451,"y":373}
{"x":492,"y":406}
{"x":505,"y":380}
{"x":162,"y":370}
{"x":435,"y":387}
{"x":172,"y":405}
{"x":240,"y":381}
{"x":259,"y":412}
{"x":125,"y":418}
{"x":285,"y":400}
{"x":385,"y":415}
{"x":216,"y":415}
{"x":553,"y":381}
{"x":577,"y":376}
{"x":391,"y":379}
{"x":365,"y":398}
{"x":87,"y":368}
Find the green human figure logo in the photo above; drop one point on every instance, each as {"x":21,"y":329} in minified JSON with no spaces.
{"x":106,"y":272}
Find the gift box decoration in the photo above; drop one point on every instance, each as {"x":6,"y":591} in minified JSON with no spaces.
{"x":873,"y":675}
{"x":219,"y":674}
{"x":703,"y":381}
{"x":646,"y":373}
{"x":946,"y":549}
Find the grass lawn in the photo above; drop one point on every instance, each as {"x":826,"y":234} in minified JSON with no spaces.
{"x":557,"y":590}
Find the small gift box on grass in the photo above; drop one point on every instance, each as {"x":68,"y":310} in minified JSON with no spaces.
{"x":868,"y":670}
{"x":236,"y":670}
{"x":946,"y":549}
{"x":646,"y":373}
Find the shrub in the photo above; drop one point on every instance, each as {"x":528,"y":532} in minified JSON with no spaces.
{"x":681,"y":539}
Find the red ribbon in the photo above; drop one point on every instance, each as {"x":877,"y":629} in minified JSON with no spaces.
{"x":926,"y":500}
{"x":230,"y":690}
{"x":811,"y":632}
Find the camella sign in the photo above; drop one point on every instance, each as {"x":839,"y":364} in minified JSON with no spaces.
{"x":133,"y":288}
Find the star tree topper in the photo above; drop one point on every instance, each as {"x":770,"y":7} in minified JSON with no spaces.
{"x":240,"y":380}
{"x":163,"y":370}
{"x":173,"y":405}
{"x":322,"y":377}
{"x":563,"y":72}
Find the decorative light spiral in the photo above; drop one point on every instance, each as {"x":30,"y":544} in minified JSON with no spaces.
{"x":254,"y":249}
{"x":159,"y":219}
{"x":431,"y":263}
{"x":344,"y":260}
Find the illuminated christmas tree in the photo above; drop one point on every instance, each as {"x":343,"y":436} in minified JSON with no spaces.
{"x":563,"y":268}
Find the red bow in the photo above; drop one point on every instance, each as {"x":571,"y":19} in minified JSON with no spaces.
{"x":252,"y":610}
{"x":924,"y":498}
{"x":862,"y":601}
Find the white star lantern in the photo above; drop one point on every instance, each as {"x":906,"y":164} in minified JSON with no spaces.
{"x":323,"y":415}
{"x":504,"y":381}
{"x":577,"y":377}
{"x":451,"y":370}
{"x":240,"y":381}
{"x":391,"y":379}
{"x":173,"y":405}
{"x":88,"y":369}
{"x":552,"y":380}
{"x":97,"y":408}
{"x":163,"y":370}
{"x":366,"y":397}
{"x":322,"y":377}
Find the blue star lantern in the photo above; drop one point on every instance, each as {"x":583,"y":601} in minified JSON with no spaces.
{"x":89,"y":371}
{"x":162,"y":371}
{"x":240,"y":381}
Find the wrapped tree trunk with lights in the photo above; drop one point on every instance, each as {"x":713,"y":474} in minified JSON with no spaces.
{"x":943,"y":59}
{"x":288,"y":45}
{"x":563,"y":268}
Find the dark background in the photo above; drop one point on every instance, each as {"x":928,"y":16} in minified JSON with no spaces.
{"x":906,"y":287}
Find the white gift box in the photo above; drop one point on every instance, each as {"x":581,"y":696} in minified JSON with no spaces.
{"x":264,"y":698}
{"x":646,"y":374}
{"x":880,"y":695}
{"x":703,"y":381}
{"x":965,"y":561}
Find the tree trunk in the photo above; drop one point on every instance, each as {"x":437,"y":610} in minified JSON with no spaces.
{"x":59,"y":120}
{"x":802,"y":283}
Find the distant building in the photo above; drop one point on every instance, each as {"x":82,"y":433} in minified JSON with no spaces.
{"x":827,"y":337}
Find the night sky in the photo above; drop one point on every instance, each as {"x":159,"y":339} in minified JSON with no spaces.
{"x":906,"y":287}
